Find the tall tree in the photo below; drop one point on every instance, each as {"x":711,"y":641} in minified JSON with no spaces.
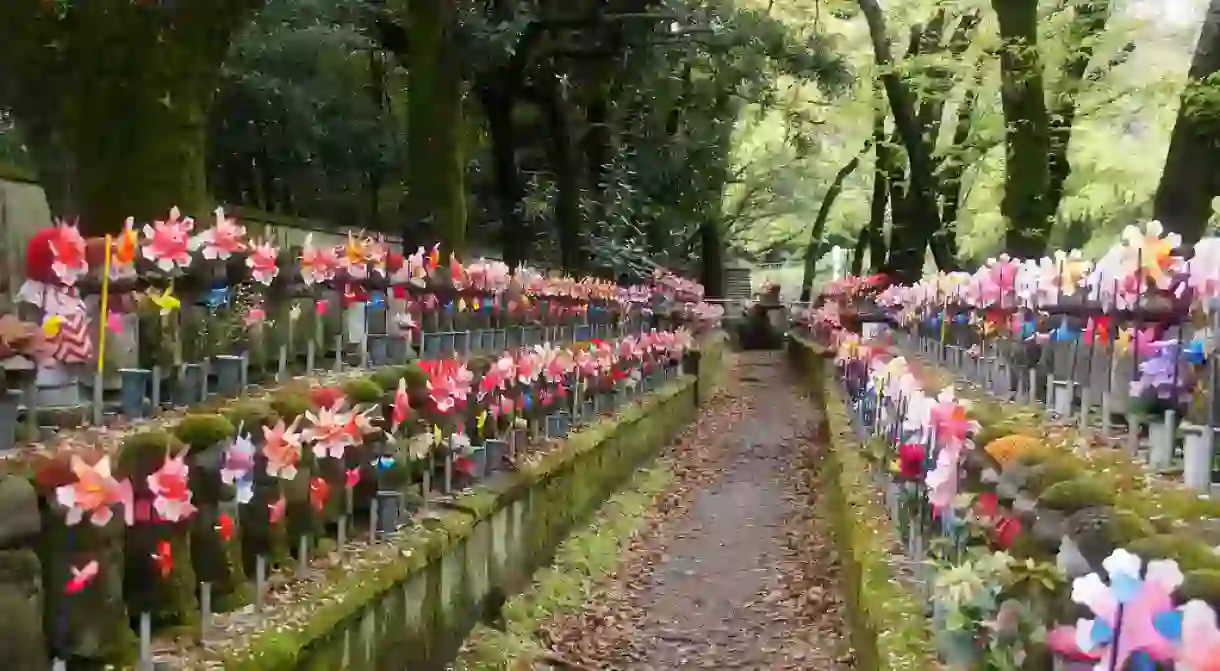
{"x":436,"y":158}
{"x":815,"y":245}
{"x":120,"y":92}
{"x":1192,"y":166}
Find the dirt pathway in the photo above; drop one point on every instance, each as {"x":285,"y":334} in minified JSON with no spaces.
{"x":737,"y":572}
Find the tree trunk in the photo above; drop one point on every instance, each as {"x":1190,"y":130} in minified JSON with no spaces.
{"x":1192,"y":166}
{"x":922,"y":190}
{"x":819,"y":226}
{"x":498,"y":105}
{"x":877,"y":247}
{"x":1027,"y":137}
{"x":711,"y":248}
{"x":436,"y":162}
{"x":127,"y":89}
{"x":857,"y":255}
{"x":561,"y":153}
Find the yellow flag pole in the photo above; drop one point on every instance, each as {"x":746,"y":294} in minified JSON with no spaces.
{"x":103,"y":318}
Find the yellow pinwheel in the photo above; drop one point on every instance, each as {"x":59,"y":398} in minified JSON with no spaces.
{"x":167,"y":302}
{"x":51,"y":325}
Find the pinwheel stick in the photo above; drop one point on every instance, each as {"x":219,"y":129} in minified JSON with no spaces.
{"x":102,"y":315}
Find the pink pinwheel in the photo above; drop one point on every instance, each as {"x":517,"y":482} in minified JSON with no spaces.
{"x":276,"y":511}
{"x":1143,"y":603}
{"x":1149,"y":255}
{"x":361,"y":424}
{"x":68,"y":250}
{"x":238,"y":468}
{"x":317,"y":264}
{"x":167,"y":243}
{"x":402,"y":406}
{"x":942,"y":481}
{"x":442,"y":391}
{"x":355,"y":257}
{"x":378,"y":253}
{"x":1196,"y":637}
{"x":94,"y":493}
{"x":222,"y":240}
{"x":263,"y":262}
{"x":527,"y":368}
{"x":171,"y":490}
{"x":329,"y":432}
{"x":282,"y":448}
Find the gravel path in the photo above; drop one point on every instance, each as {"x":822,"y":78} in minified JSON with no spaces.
{"x":736,"y":572}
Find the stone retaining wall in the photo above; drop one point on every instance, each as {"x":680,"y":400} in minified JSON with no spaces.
{"x":414,"y":612}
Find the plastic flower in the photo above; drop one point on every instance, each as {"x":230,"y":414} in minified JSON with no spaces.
{"x":328,"y":431}
{"x":262,"y":262}
{"x":167,"y":243}
{"x":94,"y":493}
{"x":222,"y":240}
{"x":317,"y":264}
{"x":911,"y":458}
{"x":282,"y":448}
{"x":170,"y":486}
{"x":68,"y":251}
{"x":356,"y":257}
{"x":942,"y":481}
{"x":402,"y":406}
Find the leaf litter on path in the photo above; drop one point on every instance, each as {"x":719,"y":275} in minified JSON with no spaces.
{"x":734,"y":570}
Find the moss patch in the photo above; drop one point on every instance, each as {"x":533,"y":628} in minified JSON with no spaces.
{"x":580,"y":563}
{"x":548,"y":485}
{"x":888,"y":626}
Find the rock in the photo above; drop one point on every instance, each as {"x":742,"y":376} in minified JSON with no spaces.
{"x":22,"y":646}
{"x":21,"y":519}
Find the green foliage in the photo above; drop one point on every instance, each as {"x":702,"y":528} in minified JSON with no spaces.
{"x":296,"y":123}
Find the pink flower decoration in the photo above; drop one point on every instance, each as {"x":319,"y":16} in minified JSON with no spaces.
{"x":94,"y":493}
{"x":402,"y":406}
{"x":262,"y":262}
{"x":170,"y":486}
{"x":328,"y":432}
{"x":68,"y":250}
{"x":317,"y":264}
{"x":221,"y":241}
{"x":282,"y":447}
{"x":167,"y":243}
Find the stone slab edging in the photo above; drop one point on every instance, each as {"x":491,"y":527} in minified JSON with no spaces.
{"x":888,"y":626}
{"x":415,"y":598}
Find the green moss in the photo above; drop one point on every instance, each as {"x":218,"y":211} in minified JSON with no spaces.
{"x":387,"y":378}
{"x":363,"y":390}
{"x":145,"y":451}
{"x":1075,"y":494}
{"x":581,"y":561}
{"x":886,"y":619}
{"x":290,"y":403}
{"x":1201,"y":584}
{"x":347,"y":592}
{"x":251,"y":415}
{"x":1190,"y":553}
{"x":204,"y":431}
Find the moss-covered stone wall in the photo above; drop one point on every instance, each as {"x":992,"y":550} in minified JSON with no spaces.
{"x":887,"y":624}
{"x":414,"y":612}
